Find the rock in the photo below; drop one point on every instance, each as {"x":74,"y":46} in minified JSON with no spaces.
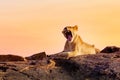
{"x":92,"y":67}
{"x":34,"y":72}
{"x":11,"y":58}
{"x":38,"y":56}
{"x":39,"y":62}
{"x":85,"y":67}
{"x":110,"y":49}
{"x":14,"y":75}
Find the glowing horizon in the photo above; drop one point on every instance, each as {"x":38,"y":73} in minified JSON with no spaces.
{"x":28,"y":27}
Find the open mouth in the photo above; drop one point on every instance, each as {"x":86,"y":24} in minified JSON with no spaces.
{"x":68,"y":35}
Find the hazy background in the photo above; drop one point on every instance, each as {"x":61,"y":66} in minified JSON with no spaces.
{"x":31,"y":26}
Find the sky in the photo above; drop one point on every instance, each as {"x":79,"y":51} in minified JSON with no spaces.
{"x":32,"y":26}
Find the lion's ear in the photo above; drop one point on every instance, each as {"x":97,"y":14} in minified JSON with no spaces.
{"x":75,"y":27}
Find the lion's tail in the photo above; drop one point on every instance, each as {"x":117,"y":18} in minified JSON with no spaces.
{"x":97,"y":50}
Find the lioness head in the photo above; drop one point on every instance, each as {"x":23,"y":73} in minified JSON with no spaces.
{"x":69,"y":32}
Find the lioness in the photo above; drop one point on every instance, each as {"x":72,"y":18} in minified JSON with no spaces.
{"x":74,"y":45}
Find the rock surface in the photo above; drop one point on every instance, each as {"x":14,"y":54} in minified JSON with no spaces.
{"x":110,"y":49}
{"x":101,"y":66}
{"x":38,"y":56}
{"x":10,"y":57}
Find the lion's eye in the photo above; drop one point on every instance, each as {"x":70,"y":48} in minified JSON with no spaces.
{"x":65,"y":28}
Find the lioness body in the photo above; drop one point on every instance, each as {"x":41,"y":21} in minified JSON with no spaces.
{"x":78,"y":47}
{"x":74,"y":45}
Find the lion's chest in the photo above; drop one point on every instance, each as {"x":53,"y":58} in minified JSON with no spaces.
{"x":71,"y":46}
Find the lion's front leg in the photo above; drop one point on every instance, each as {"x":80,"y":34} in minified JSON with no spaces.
{"x":63,"y":54}
{"x":71,"y":54}
{"x":67,"y":54}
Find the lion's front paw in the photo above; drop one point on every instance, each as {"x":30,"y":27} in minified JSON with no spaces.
{"x":63,"y":55}
{"x":70,"y":54}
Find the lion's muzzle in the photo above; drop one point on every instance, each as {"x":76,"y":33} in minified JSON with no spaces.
{"x":67,"y":34}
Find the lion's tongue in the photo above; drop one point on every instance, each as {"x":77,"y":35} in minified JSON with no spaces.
{"x":69,"y":37}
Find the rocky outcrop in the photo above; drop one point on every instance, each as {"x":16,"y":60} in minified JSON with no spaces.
{"x":38,"y":56}
{"x":25,"y":71}
{"x":110,"y":49}
{"x":92,"y":67}
{"x":11,"y":58}
{"x":101,"y":66}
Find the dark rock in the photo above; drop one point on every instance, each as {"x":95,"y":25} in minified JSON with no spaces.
{"x":85,"y":67}
{"x":110,"y":49}
{"x":10,"y":58}
{"x":3,"y":68}
{"x":14,"y":75}
{"x":38,"y":56}
{"x":35,"y":72}
{"x":42,"y":62}
{"x":92,"y":67}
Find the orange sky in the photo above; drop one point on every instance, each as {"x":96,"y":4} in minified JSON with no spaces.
{"x":31,"y":26}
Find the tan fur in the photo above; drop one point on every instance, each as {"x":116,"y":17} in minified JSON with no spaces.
{"x":76,"y":46}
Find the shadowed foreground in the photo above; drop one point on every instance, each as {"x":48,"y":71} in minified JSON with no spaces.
{"x":101,"y":66}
